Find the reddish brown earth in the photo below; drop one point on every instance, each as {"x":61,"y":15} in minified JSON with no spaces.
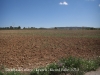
{"x":31,"y":51}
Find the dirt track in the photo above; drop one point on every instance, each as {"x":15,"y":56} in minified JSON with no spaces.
{"x":31,"y":51}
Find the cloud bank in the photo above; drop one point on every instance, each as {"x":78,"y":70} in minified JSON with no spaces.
{"x":63,"y":3}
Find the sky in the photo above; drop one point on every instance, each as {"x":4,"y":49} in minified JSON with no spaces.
{"x":50,"y":13}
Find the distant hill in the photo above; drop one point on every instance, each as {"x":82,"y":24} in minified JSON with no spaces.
{"x":71,"y":28}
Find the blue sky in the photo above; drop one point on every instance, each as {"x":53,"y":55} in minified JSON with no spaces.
{"x":50,"y":13}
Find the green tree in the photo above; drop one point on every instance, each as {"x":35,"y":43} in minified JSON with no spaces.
{"x":11,"y":27}
{"x":24,"y":28}
{"x":55,"y":28}
{"x":19,"y":27}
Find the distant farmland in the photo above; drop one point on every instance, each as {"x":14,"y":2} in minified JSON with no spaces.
{"x":34,"y":48}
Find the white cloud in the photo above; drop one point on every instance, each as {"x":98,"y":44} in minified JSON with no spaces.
{"x":99,"y":5}
{"x":63,"y":3}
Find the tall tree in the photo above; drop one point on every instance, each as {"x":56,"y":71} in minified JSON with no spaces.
{"x":19,"y":27}
{"x":11,"y":27}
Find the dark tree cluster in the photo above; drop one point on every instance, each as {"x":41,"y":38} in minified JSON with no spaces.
{"x":29,"y":28}
{"x":9,"y":28}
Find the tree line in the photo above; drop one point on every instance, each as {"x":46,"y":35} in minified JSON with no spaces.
{"x":9,"y":28}
{"x":67,"y":28}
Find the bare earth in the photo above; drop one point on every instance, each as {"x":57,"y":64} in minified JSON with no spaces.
{"x":97,"y":72}
{"x":35,"y":48}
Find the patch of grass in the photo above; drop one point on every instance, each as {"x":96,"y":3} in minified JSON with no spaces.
{"x":88,"y":65}
{"x":34,"y":72}
{"x":1,"y":73}
{"x":71,"y":62}
{"x":72,"y":65}
{"x":53,"y":69}
{"x":97,"y":60}
{"x":13,"y":73}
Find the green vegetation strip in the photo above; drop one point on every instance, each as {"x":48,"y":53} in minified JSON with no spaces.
{"x":71,"y":65}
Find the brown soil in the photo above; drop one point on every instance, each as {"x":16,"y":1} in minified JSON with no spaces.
{"x":34,"y":51}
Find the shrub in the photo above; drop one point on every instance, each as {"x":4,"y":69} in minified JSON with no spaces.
{"x":13,"y":73}
{"x":34,"y":72}
{"x":71,"y":62}
{"x":51,"y":69}
{"x":89,"y":65}
{"x":97,"y":60}
{"x":1,"y":73}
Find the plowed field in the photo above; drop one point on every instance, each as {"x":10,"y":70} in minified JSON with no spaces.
{"x":34,"y":48}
